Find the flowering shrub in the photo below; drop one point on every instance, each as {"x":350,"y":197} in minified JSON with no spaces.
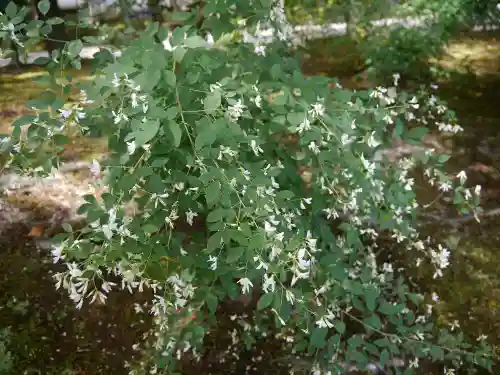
{"x":230,"y":174}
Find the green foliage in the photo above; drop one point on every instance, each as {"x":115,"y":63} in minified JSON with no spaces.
{"x":5,"y":355}
{"x":236,"y":166}
{"x":399,"y":49}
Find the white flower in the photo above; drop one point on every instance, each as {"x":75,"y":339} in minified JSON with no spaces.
{"x":116,"y":81}
{"x":290,"y":297}
{"x":167,"y":45}
{"x":387,"y":267}
{"x":269,"y":283}
{"x":190,"y":215}
{"x":258,"y":101}
{"x":79,"y":114}
{"x":57,"y":253}
{"x":445,"y":186}
{"x":215,"y":86}
{"x":235,"y":111}
{"x":260,"y":50}
{"x":324,"y":323}
{"x":467,"y":194}
{"x":213,"y":262}
{"x":73,"y":270}
{"x":482,"y":338}
{"x":370,"y":167}
{"x":314,"y":147}
{"x":317,"y":109}
{"x":269,"y":228}
{"x":95,"y":168}
{"x":414,"y":363}
{"x":131,"y":147}
{"x":304,"y":125}
{"x":210,"y":39}
{"x":396,"y":77}
{"x":119,"y":116}
{"x":65,"y":113}
{"x":83,"y":97}
{"x":462,"y":176}
{"x":133,"y":99}
{"x":345,"y":139}
{"x":454,"y":325}
{"x":449,"y":371}
{"x":435,"y":297}
{"x":372,"y":141}
{"x":255,"y":147}
{"x":245,"y":285}
{"x":477,"y":190}
{"x":388,"y":119}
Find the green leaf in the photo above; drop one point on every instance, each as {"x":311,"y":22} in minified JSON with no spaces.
{"x":437,"y":353}
{"x":155,"y":184}
{"x":195,"y":41}
{"x":148,"y":80}
{"x":387,"y":308}
{"x":234,"y":253}
{"x":146,"y":131}
{"x":74,"y":48}
{"x":171,"y":113}
{"x":11,"y":9}
{"x":55,"y":21}
{"x":317,"y":338}
{"x":265,"y":301}
{"x":179,"y":53}
{"x":212,"y":101}
{"x":295,"y":118}
{"x":215,"y":215}
{"x":67,"y":227}
{"x":44,"y":100}
{"x":443,"y":158}
{"x":205,"y":138}
{"x":373,"y":322}
{"x":212,"y":302}
{"x":384,"y":357}
{"x":212,"y":193}
{"x":339,"y":326}
{"x":170,"y":78}
{"x":44,"y":6}
{"x":180,"y":16}
{"x":214,"y":241}
{"x":371,"y":298}
{"x":176,"y":131}
{"x":417,"y":133}
{"x":149,"y":228}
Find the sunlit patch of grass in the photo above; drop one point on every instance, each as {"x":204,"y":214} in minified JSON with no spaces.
{"x":17,"y":88}
{"x":477,"y":53}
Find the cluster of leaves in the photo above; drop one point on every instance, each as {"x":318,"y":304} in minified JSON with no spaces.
{"x":226,"y":171}
{"x":403,"y":49}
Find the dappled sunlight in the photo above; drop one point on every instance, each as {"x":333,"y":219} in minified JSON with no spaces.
{"x":478,"y":54}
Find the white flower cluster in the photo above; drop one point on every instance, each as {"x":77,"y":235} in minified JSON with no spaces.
{"x":133,"y":93}
{"x":80,"y":286}
{"x":316,"y":111}
{"x":440,"y":259}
